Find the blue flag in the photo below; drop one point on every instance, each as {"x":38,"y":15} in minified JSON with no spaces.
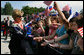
{"x":70,"y":11}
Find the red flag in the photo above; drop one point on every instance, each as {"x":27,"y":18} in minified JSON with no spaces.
{"x":47,"y":2}
{"x":80,"y":30}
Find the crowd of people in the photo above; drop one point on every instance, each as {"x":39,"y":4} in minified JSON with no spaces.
{"x":5,"y":24}
{"x":46,"y":34}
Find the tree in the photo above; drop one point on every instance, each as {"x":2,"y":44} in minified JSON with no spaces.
{"x":2,"y":11}
{"x":81,"y":12}
{"x":30,"y":10}
{"x":26,"y":10}
{"x":8,"y":9}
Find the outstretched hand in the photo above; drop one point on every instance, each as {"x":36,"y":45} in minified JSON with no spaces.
{"x":44,"y":44}
{"x":55,"y":45}
{"x":39,"y":39}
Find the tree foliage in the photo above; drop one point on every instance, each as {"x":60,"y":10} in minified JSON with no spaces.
{"x":30,"y":10}
{"x":81,"y":12}
{"x":8,"y":9}
{"x":2,"y":11}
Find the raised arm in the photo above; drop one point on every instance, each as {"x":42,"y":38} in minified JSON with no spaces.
{"x":41,"y":26}
{"x":60,"y":12}
{"x":49,"y":20}
{"x":45,"y":37}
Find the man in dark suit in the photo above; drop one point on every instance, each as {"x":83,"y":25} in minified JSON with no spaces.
{"x":8,"y":24}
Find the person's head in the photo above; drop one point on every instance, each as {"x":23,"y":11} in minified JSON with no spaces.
{"x":41,"y":22}
{"x":66,"y":13}
{"x":54,"y":20}
{"x":46,"y":20}
{"x":4,"y":18}
{"x":76,"y":23}
{"x":61,"y":20}
{"x":7,"y":18}
{"x":17,"y":14}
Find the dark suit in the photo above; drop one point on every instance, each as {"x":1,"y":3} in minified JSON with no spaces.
{"x":19,"y":42}
{"x":7,"y":27}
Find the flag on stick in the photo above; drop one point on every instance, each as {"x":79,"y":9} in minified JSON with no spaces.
{"x":70,"y":11}
{"x":80,"y":30}
{"x":50,"y":8}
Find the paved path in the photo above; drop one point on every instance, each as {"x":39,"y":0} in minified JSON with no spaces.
{"x":4,"y":45}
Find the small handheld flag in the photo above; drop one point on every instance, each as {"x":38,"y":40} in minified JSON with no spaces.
{"x":50,"y":8}
{"x":70,"y":11}
{"x":80,"y":30}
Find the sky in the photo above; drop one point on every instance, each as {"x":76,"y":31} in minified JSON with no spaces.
{"x":75,"y":5}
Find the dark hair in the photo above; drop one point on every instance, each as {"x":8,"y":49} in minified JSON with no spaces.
{"x":66,"y":14}
{"x":4,"y":18}
{"x":78,"y":21}
{"x":73,"y":19}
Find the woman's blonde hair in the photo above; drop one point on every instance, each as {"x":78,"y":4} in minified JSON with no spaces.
{"x":17,"y":13}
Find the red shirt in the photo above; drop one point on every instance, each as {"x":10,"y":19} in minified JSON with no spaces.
{"x":52,"y":29}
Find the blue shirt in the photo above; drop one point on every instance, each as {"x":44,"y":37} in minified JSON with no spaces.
{"x":61,"y":32}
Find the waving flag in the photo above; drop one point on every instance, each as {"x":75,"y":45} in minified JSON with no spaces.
{"x":73,"y":15}
{"x":70,"y":11}
{"x":76,"y":14}
{"x":50,"y":8}
{"x":47,"y":2}
{"x":28,"y":24}
{"x":80,"y":30}
{"x":66,"y":8}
